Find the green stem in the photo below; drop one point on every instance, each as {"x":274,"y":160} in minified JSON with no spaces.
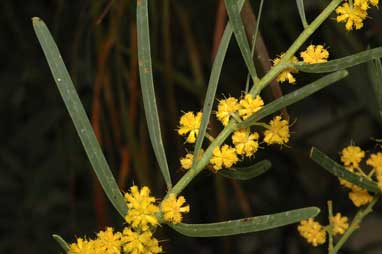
{"x":255,"y":90}
{"x":204,"y":160}
{"x":330,"y":231}
{"x":361,"y":214}
{"x":236,"y":117}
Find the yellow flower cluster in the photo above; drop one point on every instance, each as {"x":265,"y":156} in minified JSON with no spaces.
{"x":108,"y":242}
{"x":312,"y":55}
{"x":278,"y":131}
{"x":340,"y":224}
{"x":225,"y":156}
{"x":189,"y":125}
{"x":315,"y":54}
{"x":226,"y":108}
{"x":244,"y":141}
{"x":375,"y":161}
{"x":351,"y":157}
{"x":186,"y":161}
{"x":244,"y":108}
{"x":315,"y":234}
{"x":172,"y":208}
{"x":312,"y":231}
{"x":137,"y":237}
{"x":140,"y":243}
{"x":354,"y":16}
{"x":286,"y":74}
{"x":142,"y":208}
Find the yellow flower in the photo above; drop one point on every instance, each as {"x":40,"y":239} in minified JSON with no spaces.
{"x":140,"y":243}
{"x":340,"y":224}
{"x":246,"y":143}
{"x":315,"y":54}
{"x":226,"y":156}
{"x":351,"y":156}
{"x":141,"y":208}
{"x":189,"y":123}
{"x":249,"y":105}
{"x":226,"y":108}
{"x":360,"y":196}
{"x":312,"y":231}
{"x":172,"y":208}
{"x":353,"y":17}
{"x":374,"y":2}
{"x":286,"y":74}
{"x":82,"y":246}
{"x":108,"y":242}
{"x":186,"y":161}
{"x":364,"y":4}
{"x":278,"y":131}
{"x":375,"y":161}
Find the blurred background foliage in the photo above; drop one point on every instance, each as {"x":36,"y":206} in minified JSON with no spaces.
{"x":46,"y":184}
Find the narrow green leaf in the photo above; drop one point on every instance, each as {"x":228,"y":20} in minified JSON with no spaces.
{"x":233,"y":11}
{"x":64,"y":245}
{"x":247,"y":225}
{"x":78,"y":115}
{"x":341,"y":63}
{"x":301,"y":12}
{"x":293,"y":97}
{"x":213,"y":84}
{"x":147,"y":86}
{"x":336,"y":169}
{"x":375,"y":73}
{"x":254,"y":39}
{"x":247,"y":173}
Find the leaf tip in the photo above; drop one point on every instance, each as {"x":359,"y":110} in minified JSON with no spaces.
{"x":315,"y":211}
{"x":36,"y":19}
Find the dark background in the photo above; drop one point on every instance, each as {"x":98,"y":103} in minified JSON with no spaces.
{"x":46,"y":183}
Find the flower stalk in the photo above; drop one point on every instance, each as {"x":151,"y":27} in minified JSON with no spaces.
{"x":361,"y":214}
{"x":256,"y":89}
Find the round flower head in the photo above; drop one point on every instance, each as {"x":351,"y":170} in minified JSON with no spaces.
{"x":186,"y":161}
{"x":141,"y":208}
{"x":278,"y":131}
{"x":246,"y":143}
{"x":172,"y":208}
{"x":140,"y":243}
{"x":189,"y":124}
{"x":375,"y":161}
{"x":353,"y":17}
{"x":364,"y":4}
{"x":351,"y":156}
{"x":360,"y":196}
{"x":226,"y":108}
{"x":108,"y":242}
{"x":315,"y":54}
{"x":250,"y":105}
{"x":286,"y":74}
{"x":224,"y":156}
{"x":82,"y":246}
{"x":340,"y":224}
{"x":312,"y":231}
